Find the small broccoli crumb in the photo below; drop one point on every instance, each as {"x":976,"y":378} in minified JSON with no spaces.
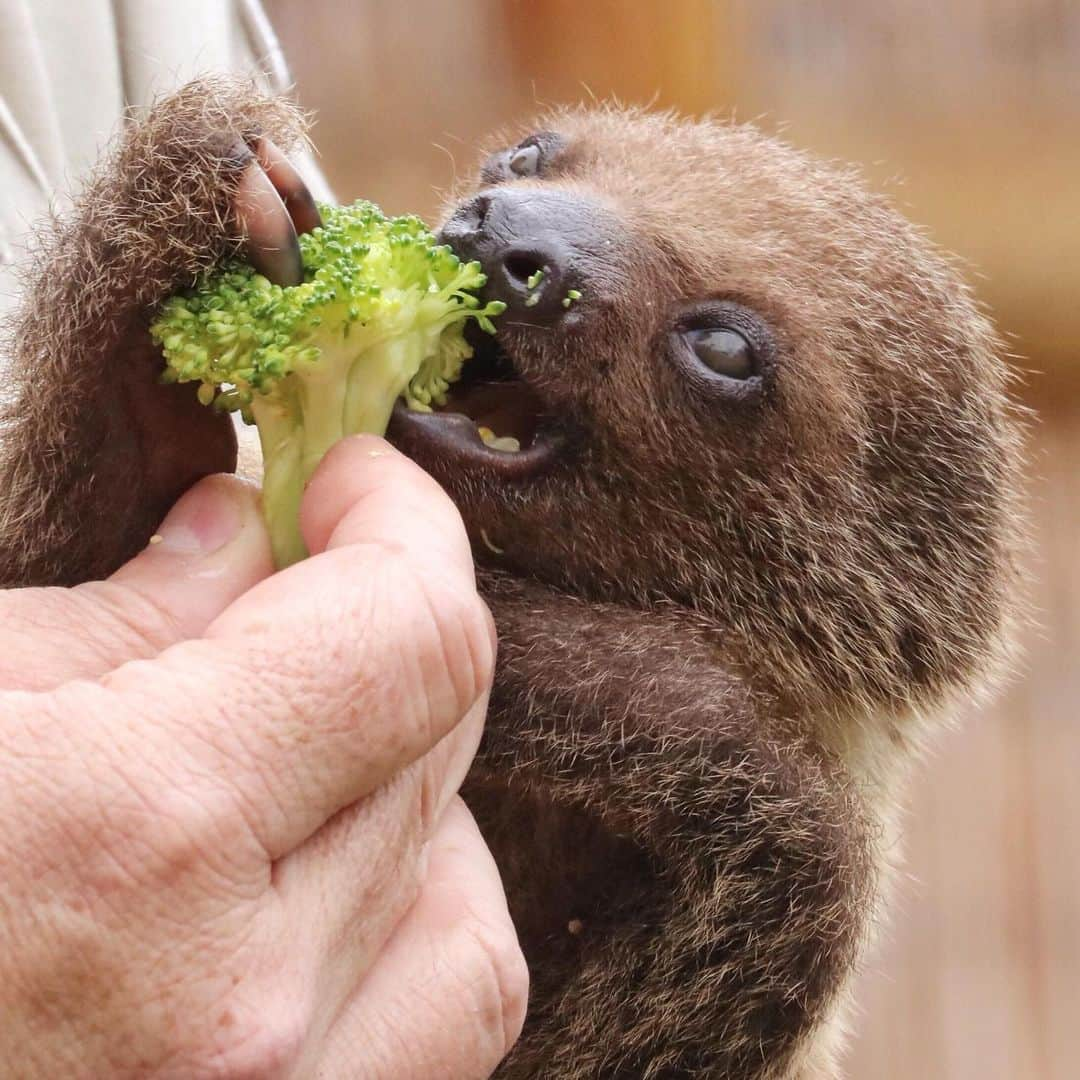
{"x":532,"y":283}
{"x":570,"y":297}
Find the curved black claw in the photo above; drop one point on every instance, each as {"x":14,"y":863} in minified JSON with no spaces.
{"x":273,"y":205}
{"x":289,"y":185}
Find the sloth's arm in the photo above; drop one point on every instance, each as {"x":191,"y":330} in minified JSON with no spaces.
{"x":92,"y":449}
{"x":690,"y":876}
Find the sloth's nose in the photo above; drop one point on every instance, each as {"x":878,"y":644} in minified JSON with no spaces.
{"x":520,"y":239}
{"x":529,"y":276}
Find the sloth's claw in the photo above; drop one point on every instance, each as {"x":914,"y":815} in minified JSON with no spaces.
{"x":298,"y":200}
{"x":273,"y":205}
{"x":269,"y":234}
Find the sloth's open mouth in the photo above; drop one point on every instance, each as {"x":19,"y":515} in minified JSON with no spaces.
{"x":493,"y":421}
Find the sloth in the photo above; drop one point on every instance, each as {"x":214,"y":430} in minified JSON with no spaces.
{"x":758,"y":539}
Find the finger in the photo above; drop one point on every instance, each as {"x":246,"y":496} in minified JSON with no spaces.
{"x":366,"y":487}
{"x":447,"y":995}
{"x":272,"y":246}
{"x":211,"y":548}
{"x":353,"y":903}
{"x":290,"y":185}
{"x":322,"y":681}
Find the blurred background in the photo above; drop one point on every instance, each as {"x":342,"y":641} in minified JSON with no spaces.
{"x":967,"y":113}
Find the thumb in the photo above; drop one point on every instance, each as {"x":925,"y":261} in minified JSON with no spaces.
{"x":211,"y":548}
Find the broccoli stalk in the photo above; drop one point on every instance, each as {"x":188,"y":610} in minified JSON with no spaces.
{"x":380,"y":315}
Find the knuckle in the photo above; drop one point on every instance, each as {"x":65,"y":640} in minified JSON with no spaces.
{"x":483,"y":644}
{"x":146,"y":825}
{"x":262,"y":1043}
{"x":464,"y":640}
{"x":424,"y":635}
{"x":191,"y":829}
{"x":141,"y":839}
{"x":498,"y":978}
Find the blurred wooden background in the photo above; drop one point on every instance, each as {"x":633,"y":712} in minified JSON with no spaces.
{"x":968,"y":113}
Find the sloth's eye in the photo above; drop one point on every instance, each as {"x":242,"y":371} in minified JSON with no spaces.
{"x":724,"y":351}
{"x":525,"y":160}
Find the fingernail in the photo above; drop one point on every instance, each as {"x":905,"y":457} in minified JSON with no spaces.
{"x":204,"y":520}
{"x":373,"y":446}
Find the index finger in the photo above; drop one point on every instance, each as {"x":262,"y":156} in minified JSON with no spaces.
{"x":315,"y":687}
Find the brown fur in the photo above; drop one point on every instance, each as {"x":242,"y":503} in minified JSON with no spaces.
{"x":720,"y":633}
{"x":781,"y":598}
{"x":94,"y":451}
{"x":687,"y":869}
{"x":856,"y":535}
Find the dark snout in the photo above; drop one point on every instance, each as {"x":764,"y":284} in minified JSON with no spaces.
{"x":533,"y":245}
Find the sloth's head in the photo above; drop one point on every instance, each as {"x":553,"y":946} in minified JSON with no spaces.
{"x":741,"y":384}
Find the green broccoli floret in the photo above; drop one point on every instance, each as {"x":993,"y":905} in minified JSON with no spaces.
{"x":380,"y":315}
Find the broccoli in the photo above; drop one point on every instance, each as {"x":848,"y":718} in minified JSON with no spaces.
{"x":380,"y":315}
{"x":533,"y":283}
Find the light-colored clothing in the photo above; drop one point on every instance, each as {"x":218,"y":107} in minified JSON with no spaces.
{"x":70,"y":73}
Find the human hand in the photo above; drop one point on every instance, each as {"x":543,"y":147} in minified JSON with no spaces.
{"x":232,"y":843}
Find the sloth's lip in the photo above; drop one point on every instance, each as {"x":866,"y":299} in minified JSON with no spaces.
{"x":452,"y":438}
{"x":493,"y":421}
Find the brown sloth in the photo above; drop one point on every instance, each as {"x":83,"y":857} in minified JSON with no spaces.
{"x":759,"y":537}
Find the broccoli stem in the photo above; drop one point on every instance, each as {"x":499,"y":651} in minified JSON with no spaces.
{"x":281,"y":436}
{"x":323,"y":391}
{"x":343,"y":394}
{"x":379,"y":377}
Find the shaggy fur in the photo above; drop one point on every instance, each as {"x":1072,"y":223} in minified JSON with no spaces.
{"x":724,"y":627}
{"x":94,"y":451}
{"x":687,"y":870}
{"x":778,"y":598}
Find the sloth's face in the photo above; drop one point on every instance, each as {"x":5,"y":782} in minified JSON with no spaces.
{"x":726,"y":377}
{"x":636,"y":360}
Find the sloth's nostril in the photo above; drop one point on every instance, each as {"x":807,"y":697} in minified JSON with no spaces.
{"x":530,"y":277}
{"x":480,"y":210}
{"x":468,"y":220}
{"x":523,"y":269}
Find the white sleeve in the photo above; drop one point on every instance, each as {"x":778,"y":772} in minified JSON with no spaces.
{"x":70,"y":72}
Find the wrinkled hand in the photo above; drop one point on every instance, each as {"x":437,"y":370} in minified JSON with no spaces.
{"x":232,"y":844}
